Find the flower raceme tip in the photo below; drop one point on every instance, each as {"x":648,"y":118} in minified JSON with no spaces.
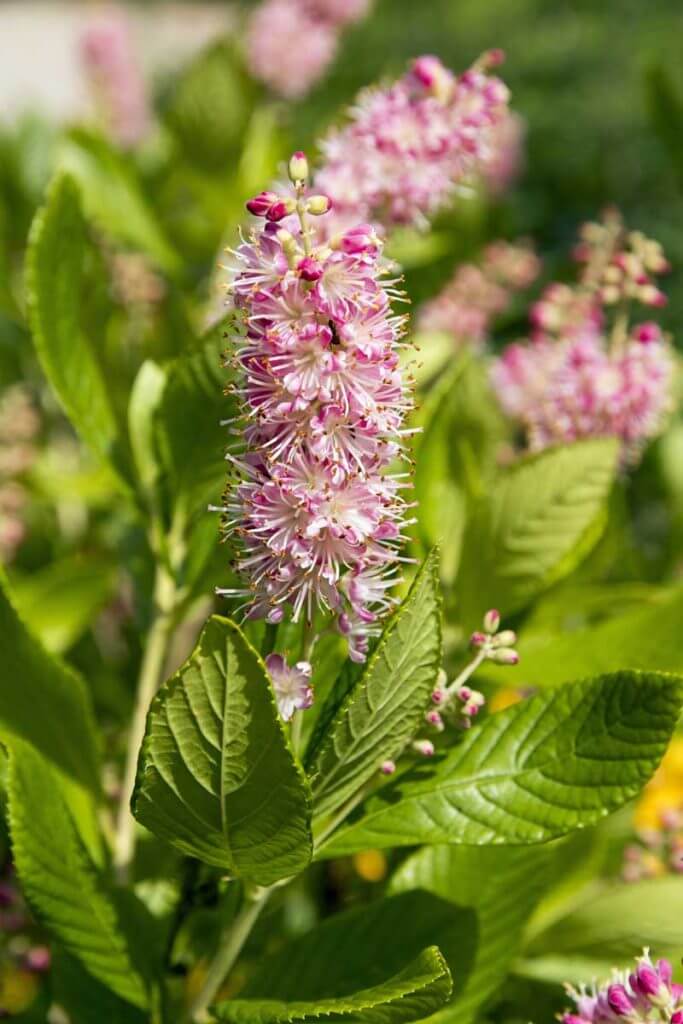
{"x":646,"y":994}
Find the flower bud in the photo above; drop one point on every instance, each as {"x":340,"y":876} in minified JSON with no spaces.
{"x":491,"y":621}
{"x":504,"y":656}
{"x":362,"y":238}
{"x":309,"y":269}
{"x":317,"y":205}
{"x":478,"y":639}
{"x":289,"y":246}
{"x":677,"y":1017}
{"x":280,"y":209}
{"x":387,"y":767}
{"x":298,"y":167}
{"x":425,"y":748}
{"x":506,"y":638}
{"x":261,"y":203}
{"x":619,"y":1000}
{"x":434,"y":719}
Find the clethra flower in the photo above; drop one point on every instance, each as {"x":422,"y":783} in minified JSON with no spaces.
{"x":318,"y":514}
{"x":645,"y":995}
{"x":292,"y":685}
{"x":586,"y":373}
{"x":291,"y":43}
{"x":478,"y":293}
{"x":112,"y":67}
{"x":408,"y":147}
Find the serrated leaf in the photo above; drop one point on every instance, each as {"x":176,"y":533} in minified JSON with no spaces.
{"x":84,"y":998}
{"x":217,"y":777}
{"x":418,"y":990}
{"x":559,"y":761}
{"x":384,"y":708}
{"x":538,"y":522}
{"x":112,"y":197}
{"x":44,"y":702}
{"x":611,"y":924}
{"x":59,"y":880}
{"x":648,"y":637}
{"x":54,"y":278}
{"x":500,"y":888}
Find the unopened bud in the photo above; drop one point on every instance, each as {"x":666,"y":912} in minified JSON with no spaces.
{"x":619,"y":1001}
{"x":317,"y":205}
{"x":425,"y":748}
{"x":261,"y":203}
{"x":281,"y":208}
{"x":309,"y":269}
{"x":478,"y":639}
{"x":387,"y":767}
{"x":506,"y":638}
{"x":504,"y":656}
{"x":289,"y":246}
{"x":491,"y":621}
{"x":298,"y":167}
{"x":435,"y":720}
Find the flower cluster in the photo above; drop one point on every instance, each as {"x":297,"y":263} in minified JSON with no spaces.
{"x":407,"y":147}
{"x":111,"y":64}
{"x":290,"y":43}
{"x":588,"y":372}
{"x":291,"y":683}
{"x":479,"y":292}
{"x":315,"y":506}
{"x":646,"y":994}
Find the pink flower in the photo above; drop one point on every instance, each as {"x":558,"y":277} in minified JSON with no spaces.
{"x":315,"y":507}
{"x":407,"y":147}
{"x":477,"y":294}
{"x":646,"y":995}
{"x":110,"y":61}
{"x":580,"y":376}
{"x":288,"y":48}
{"x":292,"y":685}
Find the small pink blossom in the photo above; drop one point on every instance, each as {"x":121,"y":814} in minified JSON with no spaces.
{"x":292,"y":685}
{"x":644,"y":996}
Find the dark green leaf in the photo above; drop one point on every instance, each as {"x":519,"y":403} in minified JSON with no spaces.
{"x":59,"y":880}
{"x":500,"y":888}
{"x":551,"y":764}
{"x":384,"y":708}
{"x":217,"y":778}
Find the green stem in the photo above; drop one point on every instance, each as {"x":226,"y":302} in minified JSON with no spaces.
{"x":269,"y":639}
{"x":151,"y":674}
{"x":467,"y":672}
{"x":232,"y":943}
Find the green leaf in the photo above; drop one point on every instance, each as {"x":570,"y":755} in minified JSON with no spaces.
{"x":84,"y":998}
{"x":54,"y":281}
{"x":59,"y":880}
{"x":644,"y":638}
{"x":361,"y":949}
{"x":194,"y":459}
{"x":62,"y":600}
{"x":500,"y":886}
{"x":143,"y":407}
{"x":612,"y":924}
{"x":556,"y":762}
{"x":418,"y":990}
{"x":211,"y":106}
{"x":217,"y":778}
{"x":540,"y":519}
{"x":384,"y":708}
{"x":112,"y":197}
{"x":45,"y":703}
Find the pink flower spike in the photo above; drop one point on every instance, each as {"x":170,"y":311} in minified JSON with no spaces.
{"x":292,"y":685}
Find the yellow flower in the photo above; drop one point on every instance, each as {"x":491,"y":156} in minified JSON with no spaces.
{"x":665,"y":791}
{"x":371,"y":865}
{"x":18,"y":988}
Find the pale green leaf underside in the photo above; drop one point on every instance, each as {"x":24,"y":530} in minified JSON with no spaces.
{"x":217,"y":778}
{"x":559,"y":761}
{"x":383,"y":710}
{"x":58,"y":879}
{"x":534,"y":526}
{"x":494,"y":890}
{"x":54,"y":277}
{"x":413,"y":993}
{"x":613,"y":923}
